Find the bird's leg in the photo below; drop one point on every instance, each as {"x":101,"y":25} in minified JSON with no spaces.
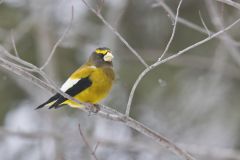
{"x":93,"y":109}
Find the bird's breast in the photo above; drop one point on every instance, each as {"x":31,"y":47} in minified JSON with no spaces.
{"x":102,"y":80}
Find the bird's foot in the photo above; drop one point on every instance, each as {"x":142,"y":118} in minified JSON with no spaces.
{"x":93,"y":109}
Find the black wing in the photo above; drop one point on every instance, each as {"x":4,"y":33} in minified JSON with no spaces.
{"x":81,"y":85}
{"x":53,"y":98}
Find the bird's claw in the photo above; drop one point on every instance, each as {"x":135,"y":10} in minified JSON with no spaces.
{"x":93,"y":109}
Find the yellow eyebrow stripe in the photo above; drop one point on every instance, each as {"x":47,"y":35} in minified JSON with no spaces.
{"x":100,"y":51}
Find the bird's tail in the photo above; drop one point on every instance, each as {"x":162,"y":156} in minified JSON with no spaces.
{"x":49,"y":102}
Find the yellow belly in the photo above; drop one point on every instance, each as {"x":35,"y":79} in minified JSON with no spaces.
{"x":101,"y":85}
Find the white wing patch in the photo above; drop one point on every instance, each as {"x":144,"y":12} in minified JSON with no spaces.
{"x":93,"y":67}
{"x":68,"y":84}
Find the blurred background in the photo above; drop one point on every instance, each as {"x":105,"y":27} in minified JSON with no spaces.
{"x":193,"y":100}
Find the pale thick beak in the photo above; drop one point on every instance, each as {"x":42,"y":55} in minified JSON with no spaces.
{"x":108,"y":57}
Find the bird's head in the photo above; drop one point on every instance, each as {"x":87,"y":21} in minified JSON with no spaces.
{"x":101,"y":56}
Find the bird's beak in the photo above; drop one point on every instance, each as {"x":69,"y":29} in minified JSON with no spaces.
{"x":108,"y":57}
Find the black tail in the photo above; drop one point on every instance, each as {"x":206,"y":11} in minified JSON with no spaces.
{"x":53,"y":98}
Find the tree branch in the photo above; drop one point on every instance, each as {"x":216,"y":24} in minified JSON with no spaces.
{"x":105,"y":111}
{"x":204,"y":24}
{"x":92,"y":151}
{"x":170,"y":40}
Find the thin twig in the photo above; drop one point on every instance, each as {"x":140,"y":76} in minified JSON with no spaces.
{"x":92,"y":151}
{"x":100,"y":5}
{"x":231,"y":3}
{"x":204,"y":24}
{"x":170,"y":40}
{"x":14,"y":45}
{"x":174,"y":56}
{"x":25,"y":65}
{"x":12,"y":67}
{"x":116,"y":33}
{"x":59,"y":40}
{"x":96,"y":147}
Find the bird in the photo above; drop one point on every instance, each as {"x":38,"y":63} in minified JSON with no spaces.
{"x":90,"y":83}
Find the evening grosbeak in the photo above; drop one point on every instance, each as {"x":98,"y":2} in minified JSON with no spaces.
{"x":90,"y":83}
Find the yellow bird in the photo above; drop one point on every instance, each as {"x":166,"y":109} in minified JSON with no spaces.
{"x":90,"y":83}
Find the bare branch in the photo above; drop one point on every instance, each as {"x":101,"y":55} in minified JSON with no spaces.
{"x":92,"y":151}
{"x":116,"y":33}
{"x":170,"y":40}
{"x":231,"y":3}
{"x":25,"y":65}
{"x":174,"y":56}
{"x":204,"y":24}
{"x":111,"y":116}
{"x":59,"y":41}
{"x":12,"y":67}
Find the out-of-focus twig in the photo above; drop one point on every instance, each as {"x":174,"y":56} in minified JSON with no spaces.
{"x":59,"y":41}
{"x":14,"y":45}
{"x":204,"y":24}
{"x":231,"y":3}
{"x":116,"y":33}
{"x":100,"y":5}
{"x":170,"y":40}
{"x":96,"y":147}
{"x":92,"y":151}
